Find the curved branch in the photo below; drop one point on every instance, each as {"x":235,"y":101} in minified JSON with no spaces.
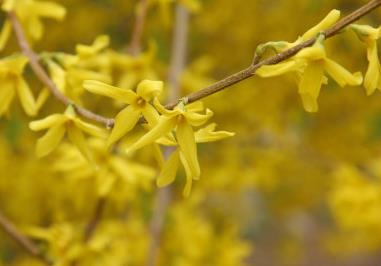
{"x":44,"y":77}
{"x":195,"y":96}
{"x":250,"y":71}
{"x":22,"y":240}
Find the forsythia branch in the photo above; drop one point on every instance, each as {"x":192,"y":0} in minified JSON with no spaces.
{"x":137,"y":32}
{"x":205,"y":92}
{"x":45,"y":79}
{"x":22,"y":240}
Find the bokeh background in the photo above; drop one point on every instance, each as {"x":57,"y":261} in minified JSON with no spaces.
{"x":291,"y":188}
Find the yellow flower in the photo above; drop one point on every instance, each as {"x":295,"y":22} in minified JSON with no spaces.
{"x":59,"y":124}
{"x":281,"y":46}
{"x":312,"y":63}
{"x":182,"y":120}
{"x":369,"y":36}
{"x":30,"y":13}
{"x":170,"y":168}
{"x":12,"y":82}
{"x":138,"y":104}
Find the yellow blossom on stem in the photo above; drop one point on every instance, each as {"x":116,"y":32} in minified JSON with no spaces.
{"x":312,"y":63}
{"x":170,"y":168}
{"x":181,"y":120}
{"x":59,"y":124}
{"x":138,"y":104}
{"x":12,"y":80}
{"x":30,"y":13}
{"x":369,"y":36}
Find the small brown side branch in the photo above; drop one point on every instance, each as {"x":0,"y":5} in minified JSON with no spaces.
{"x":22,"y":240}
{"x":137,"y":31}
{"x":45,"y":79}
{"x":250,"y":71}
{"x":95,"y":219}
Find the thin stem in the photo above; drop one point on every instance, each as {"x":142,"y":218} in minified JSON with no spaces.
{"x":24,"y":242}
{"x":137,"y":31}
{"x":250,"y":71}
{"x":177,"y":65}
{"x":205,"y":92}
{"x":95,"y":219}
{"x":44,"y":77}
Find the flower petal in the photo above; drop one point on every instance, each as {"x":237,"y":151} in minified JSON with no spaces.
{"x":48,"y":122}
{"x":188,"y":176}
{"x":98,"y":87}
{"x":279,"y":69}
{"x":58,"y":75}
{"x":76,"y":136}
{"x":148,"y":89}
{"x":125,"y":121}
{"x":165,"y":125}
{"x":99,"y":44}
{"x":196,"y":119}
{"x":169,"y":170}
{"x":327,"y":22}
{"x":207,"y":134}
{"x":372,"y":75}
{"x":150,"y":114}
{"x":342,"y":76}
{"x":310,"y":84}
{"x":5,"y":34}
{"x":49,"y":10}
{"x":187,"y":143}
{"x":90,"y":129}
{"x":26,"y":97}
{"x":47,"y":143}
{"x":7,"y":93}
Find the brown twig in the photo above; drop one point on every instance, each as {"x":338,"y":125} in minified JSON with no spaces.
{"x":250,"y":71}
{"x":45,"y":79}
{"x":137,"y":31}
{"x":211,"y":89}
{"x":163,"y":196}
{"x":22,"y":240}
{"x":95,"y":219}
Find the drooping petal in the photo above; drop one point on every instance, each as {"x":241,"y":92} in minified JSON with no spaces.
{"x":148,"y":89}
{"x":279,"y":69}
{"x":372,"y":75}
{"x":327,"y":22}
{"x":125,"y":121}
{"x":313,"y":53}
{"x":5,"y":33}
{"x":98,"y":87}
{"x":76,"y":136}
{"x":90,"y":129}
{"x":169,"y":170}
{"x":196,"y":119}
{"x":186,"y":139}
{"x":197,"y":106}
{"x":164,"y":126}
{"x":48,"y":122}
{"x":150,"y":114}
{"x":42,"y":97}
{"x":58,"y":75}
{"x":342,"y":76}
{"x":310,"y":84}
{"x":188,"y":176}
{"x":7,"y":93}
{"x":26,"y":97}
{"x":47,"y":143}
{"x":163,"y":110}
{"x":207,"y":134}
